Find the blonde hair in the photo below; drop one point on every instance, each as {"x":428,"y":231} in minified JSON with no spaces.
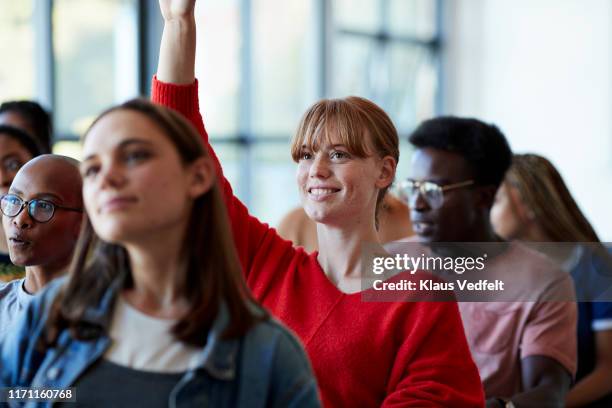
{"x":543,"y":191}
{"x":359,"y":124}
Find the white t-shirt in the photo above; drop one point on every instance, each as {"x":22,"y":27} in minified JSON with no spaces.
{"x":142,"y":342}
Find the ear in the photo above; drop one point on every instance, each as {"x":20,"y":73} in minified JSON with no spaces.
{"x":203,"y":176}
{"x":524,"y":213}
{"x":387,"y":172}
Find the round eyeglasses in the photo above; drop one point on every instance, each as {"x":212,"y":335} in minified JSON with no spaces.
{"x":433,"y":193}
{"x":39,"y":210}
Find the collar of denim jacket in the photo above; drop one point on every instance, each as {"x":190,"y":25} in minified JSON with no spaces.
{"x":219,"y":355}
{"x":101,"y":314}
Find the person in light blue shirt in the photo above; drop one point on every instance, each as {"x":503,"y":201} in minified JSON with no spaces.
{"x":13,"y":298}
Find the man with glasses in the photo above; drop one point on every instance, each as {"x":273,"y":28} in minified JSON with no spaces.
{"x":525,"y":351}
{"x":41,"y":216}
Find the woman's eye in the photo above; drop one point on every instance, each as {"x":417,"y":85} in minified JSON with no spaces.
{"x":137,"y":155}
{"x":44,"y":205}
{"x":337,"y":154}
{"x":12,"y":165}
{"x":90,"y":171}
{"x":305,"y":156}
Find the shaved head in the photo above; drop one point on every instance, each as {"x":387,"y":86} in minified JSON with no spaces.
{"x":56,"y":180}
{"x":54,"y":173}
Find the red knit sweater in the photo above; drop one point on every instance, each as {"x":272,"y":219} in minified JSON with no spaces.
{"x":366,"y":354}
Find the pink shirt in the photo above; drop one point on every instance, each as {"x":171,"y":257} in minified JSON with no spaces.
{"x":500,"y":334}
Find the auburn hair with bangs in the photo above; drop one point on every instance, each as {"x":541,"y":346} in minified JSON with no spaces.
{"x":357,"y":123}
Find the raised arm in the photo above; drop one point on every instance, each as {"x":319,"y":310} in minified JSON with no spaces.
{"x":175,"y":87}
{"x":177,"y":48}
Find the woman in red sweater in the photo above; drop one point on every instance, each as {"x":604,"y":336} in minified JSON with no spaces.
{"x":391,"y":354}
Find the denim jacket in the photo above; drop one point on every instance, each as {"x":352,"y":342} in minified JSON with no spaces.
{"x":267,"y":367}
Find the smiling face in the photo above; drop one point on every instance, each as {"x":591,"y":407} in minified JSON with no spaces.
{"x":56,"y":180}
{"x":453,"y":221}
{"x":347,"y":151}
{"x":336,"y":187}
{"x":135,"y":184}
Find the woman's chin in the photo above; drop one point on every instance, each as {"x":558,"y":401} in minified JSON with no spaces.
{"x":316,"y":215}
{"x":326,"y":217}
{"x":116,"y":234}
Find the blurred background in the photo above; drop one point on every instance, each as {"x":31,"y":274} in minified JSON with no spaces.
{"x":541,"y":70}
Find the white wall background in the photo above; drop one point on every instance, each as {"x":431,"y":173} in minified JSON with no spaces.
{"x":542,"y":71}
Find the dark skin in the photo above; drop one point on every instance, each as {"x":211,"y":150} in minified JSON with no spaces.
{"x":45,"y":249}
{"x":464,"y":217}
{"x":16,"y":120}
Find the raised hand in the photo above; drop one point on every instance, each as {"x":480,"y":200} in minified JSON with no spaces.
{"x":177,"y":48}
{"x":176,"y":9}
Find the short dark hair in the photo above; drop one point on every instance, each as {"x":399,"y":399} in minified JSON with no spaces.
{"x":37,"y":117}
{"x":22,"y":138}
{"x":482,"y":145}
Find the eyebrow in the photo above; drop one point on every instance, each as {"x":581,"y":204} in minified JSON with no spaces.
{"x":46,"y":195}
{"x":10,"y":156}
{"x":304,"y":146}
{"x":123,"y":145}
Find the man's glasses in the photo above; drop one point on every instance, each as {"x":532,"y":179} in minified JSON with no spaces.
{"x":433,"y":193}
{"x":39,"y":210}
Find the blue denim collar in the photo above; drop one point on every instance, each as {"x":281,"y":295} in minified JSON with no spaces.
{"x":102,"y":314}
{"x":219,"y":355}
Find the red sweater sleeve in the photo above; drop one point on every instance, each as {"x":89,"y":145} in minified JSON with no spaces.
{"x":434,"y":367}
{"x":248,"y":232}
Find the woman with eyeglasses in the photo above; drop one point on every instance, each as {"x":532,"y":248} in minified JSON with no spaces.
{"x":363,"y":353}
{"x":42,"y":215}
{"x":534,"y":204}
{"x":154,"y":311}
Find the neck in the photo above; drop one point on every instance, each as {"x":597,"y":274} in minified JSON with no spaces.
{"x":483,"y":232}
{"x":340,"y":249}
{"x":532,"y":232}
{"x":155,"y":264}
{"x":39,"y":275}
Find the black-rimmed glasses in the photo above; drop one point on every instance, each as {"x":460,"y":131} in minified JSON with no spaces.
{"x":39,"y":210}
